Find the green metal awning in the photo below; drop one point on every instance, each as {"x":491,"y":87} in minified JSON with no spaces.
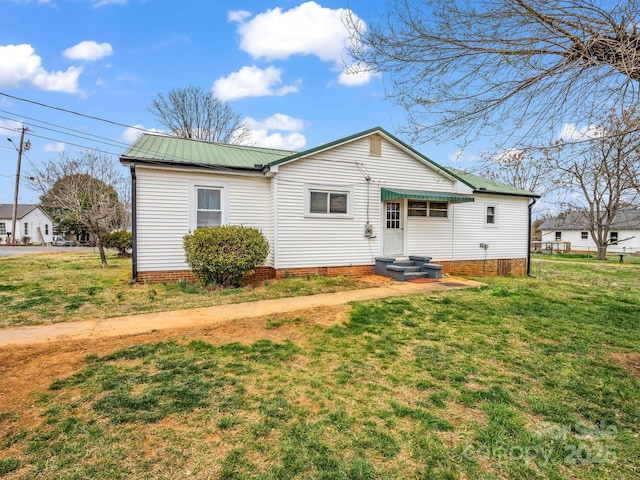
{"x":395,"y":193}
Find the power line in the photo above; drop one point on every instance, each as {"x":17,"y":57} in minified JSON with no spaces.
{"x":71,"y":112}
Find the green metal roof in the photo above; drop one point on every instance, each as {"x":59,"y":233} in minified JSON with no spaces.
{"x":395,"y":193}
{"x":480,"y":185}
{"x":174,"y":150}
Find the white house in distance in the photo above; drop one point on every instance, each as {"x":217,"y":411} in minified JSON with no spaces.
{"x":330,"y":210}
{"x":624,"y":234}
{"x":31,"y":221}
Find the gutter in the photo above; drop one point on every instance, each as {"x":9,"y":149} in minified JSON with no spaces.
{"x":134,"y":226}
{"x":533,"y":202}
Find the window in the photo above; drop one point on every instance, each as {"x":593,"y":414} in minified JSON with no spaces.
{"x":584,"y":235}
{"x":558,"y":236}
{"x":3,"y":228}
{"x":328,"y":201}
{"x":438,"y":209}
{"x":418,"y":208}
{"x":422,"y":208}
{"x":613,"y":238}
{"x":46,"y":229}
{"x":26,"y":229}
{"x":491,"y":215}
{"x":208,"y":208}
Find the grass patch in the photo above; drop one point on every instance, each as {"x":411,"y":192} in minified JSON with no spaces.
{"x":66,"y":287}
{"x":514,"y":380}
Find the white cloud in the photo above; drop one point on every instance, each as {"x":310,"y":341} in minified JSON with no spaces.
{"x":102,"y":3}
{"x":354,"y":76}
{"x":88,"y":51}
{"x":238,"y":15}
{"x":20,"y":66}
{"x":132,"y":133}
{"x":571,"y":131}
{"x":268,"y":133}
{"x":252,"y":82}
{"x":10,"y":127}
{"x":55,"y":147}
{"x":277,"y":121}
{"x":308,"y":29}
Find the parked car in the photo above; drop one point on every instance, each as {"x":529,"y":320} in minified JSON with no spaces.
{"x":60,"y":241}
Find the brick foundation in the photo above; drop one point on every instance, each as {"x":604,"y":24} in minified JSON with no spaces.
{"x":485,"y":268}
{"x":345,"y":271}
{"x":473,"y":268}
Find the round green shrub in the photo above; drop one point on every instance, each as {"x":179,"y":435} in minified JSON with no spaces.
{"x":225,"y":255}
{"x":120,"y":240}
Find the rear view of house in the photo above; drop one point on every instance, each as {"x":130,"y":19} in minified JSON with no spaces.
{"x":330,"y":210}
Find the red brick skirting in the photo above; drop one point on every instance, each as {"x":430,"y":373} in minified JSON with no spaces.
{"x":474,"y":268}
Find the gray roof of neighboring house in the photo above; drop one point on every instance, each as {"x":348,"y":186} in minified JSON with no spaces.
{"x":6,"y":210}
{"x":625,"y":220}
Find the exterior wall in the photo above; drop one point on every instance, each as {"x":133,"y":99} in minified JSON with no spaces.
{"x":34,"y":219}
{"x":507,"y":239}
{"x":304,"y":241}
{"x":579,"y":245}
{"x":164,"y":207}
{"x":302,"y":244}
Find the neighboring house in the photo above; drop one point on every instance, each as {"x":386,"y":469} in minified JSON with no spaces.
{"x":624,"y":233}
{"x":330,"y":210}
{"x":31,"y":221}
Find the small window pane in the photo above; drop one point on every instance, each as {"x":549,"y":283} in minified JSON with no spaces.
{"x":338,"y":203}
{"x":208,"y":199}
{"x":584,"y":235}
{"x":209,"y":218}
{"x":318,"y":202}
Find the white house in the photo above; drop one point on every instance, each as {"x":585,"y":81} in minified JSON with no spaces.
{"x":330,"y":210}
{"x":624,"y":233}
{"x":31,"y":221}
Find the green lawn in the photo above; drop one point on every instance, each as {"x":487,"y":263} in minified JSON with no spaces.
{"x":519,"y":380}
{"x":50,"y":288}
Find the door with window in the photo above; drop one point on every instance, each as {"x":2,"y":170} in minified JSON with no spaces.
{"x":393,"y":228}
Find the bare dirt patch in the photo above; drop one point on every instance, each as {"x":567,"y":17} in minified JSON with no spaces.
{"x":630,"y":361}
{"x":29,"y":369}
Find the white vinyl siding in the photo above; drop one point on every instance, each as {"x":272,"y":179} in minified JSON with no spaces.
{"x":165,"y":216}
{"x":310,"y":242}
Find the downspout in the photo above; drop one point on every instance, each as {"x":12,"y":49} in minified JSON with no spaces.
{"x":134,"y":227}
{"x":533,"y":202}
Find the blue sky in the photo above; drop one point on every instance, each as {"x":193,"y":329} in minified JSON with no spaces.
{"x":279,"y":63}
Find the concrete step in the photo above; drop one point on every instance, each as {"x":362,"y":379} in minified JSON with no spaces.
{"x":404,"y":268}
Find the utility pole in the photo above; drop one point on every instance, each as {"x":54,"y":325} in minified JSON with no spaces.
{"x":23,"y":147}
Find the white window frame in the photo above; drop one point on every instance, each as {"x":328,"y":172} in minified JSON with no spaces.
{"x":194,"y":185}
{"x":3,"y":228}
{"x":612,"y":240}
{"x":26,"y":229}
{"x":584,"y":235}
{"x":495,"y":215}
{"x":329,"y":189}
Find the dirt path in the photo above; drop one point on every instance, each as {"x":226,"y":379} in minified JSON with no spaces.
{"x":32,"y":357}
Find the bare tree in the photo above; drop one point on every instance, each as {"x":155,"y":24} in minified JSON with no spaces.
{"x":196,"y":114}
{"x":82,"y":190}
{"x":526,"y":66}
{"x":600,"y":178}
{"x":527,"y":170}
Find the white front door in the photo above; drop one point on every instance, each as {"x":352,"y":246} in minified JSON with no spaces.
{"x":393,"y":238}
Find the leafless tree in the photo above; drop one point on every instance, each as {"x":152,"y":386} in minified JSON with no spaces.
{"x":516,"y":66}
{"x":196,"y":114}
{"x":82,"y":189}
{"x":524,"y":169}
{"x":600,"y":178}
